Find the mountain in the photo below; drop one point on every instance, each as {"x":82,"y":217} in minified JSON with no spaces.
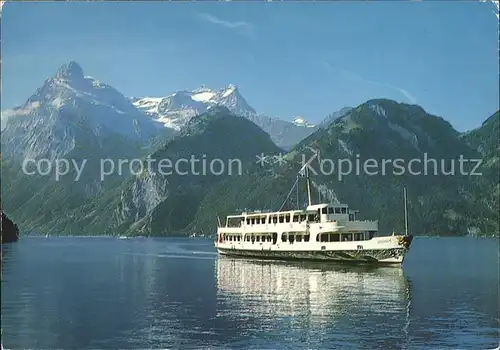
{"x":161,"y":202}
{"x":75,"y":119}
{"x":486,"y":140}
{"x":177,"y":109}
{"x":83,"y":121}
{"x":334,"y":116}
{"x":375,"y":132}
{"x":51,"y":121}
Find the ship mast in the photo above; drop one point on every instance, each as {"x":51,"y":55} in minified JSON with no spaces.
{"x":297,"y":186}
{"x":303,"y":171}
{"x":305,"y":168}
{"x":308,"y":186}
{"x":406,"y":212}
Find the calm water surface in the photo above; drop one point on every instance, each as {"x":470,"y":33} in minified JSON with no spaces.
{"x":83,"y":293}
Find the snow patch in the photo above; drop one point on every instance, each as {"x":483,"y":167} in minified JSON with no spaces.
{"x":299,"y":121}
{"x":148,"y":104}
{"x":229,"y":90}
{"x":203,"y":96}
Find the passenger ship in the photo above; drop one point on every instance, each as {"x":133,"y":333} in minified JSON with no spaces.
{"x":325,"y":232}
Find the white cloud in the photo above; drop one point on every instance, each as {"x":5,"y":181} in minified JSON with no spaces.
{"x":241,"y":26}
{"x":353,"y":76}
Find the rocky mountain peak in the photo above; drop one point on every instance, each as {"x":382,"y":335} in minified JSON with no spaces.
{"x":70,"y":71}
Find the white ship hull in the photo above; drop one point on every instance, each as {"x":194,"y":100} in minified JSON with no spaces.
{"x":378,"y":250}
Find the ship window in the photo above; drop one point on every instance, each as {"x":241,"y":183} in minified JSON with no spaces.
{"x":324,"y":237}
{"x":330,"y":210}
{"x":234,"y":222}
{"x":344,"y":210}
{"x":317,"y":238}
{"x":310,"y":217}
{"x":295,"y":218}
{"x":248,"y":221}
{"x":283,"y":237}
{"x":253,"y":239}
{"x":291,"y":238}
{"x":239,"y":238}
{"x":334,"y":237}
{"x":372,"y":233}
{"x":359,"y":236}
{"x":275,"y":237}
{"x":264,"y":219}
{"x":337,"y":210}
{"x":287,"y":217}
{"x":253,"y":221}
{"x":303,"y":217}
{"x":351,"y":217}
{"x":269,"y":238}
{"x":257,"y":238}
{"x":275,"y":219}
{"x":347,"y":237}
{"x":306,"y":238}
{"x":299,"y":238}
{"x":324,"y":211}
{"x":281,"y":218}
{"x":257,"y":221}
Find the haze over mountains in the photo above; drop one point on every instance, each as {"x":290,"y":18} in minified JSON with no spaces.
{"x":79,"y":118}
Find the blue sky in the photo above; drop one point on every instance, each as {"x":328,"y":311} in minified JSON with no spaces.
{"x":288,"y":59}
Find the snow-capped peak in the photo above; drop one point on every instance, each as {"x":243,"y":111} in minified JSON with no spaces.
{"x":202,"y":88}
{"x":299,"y":121}
{"x":72,"y":70}
{"x":229,"y":90}
{"x":176,"y":109}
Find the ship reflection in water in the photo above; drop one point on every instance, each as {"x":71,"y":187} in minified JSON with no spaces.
{"x":323,"y":304}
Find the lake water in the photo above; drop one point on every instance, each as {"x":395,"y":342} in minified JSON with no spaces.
{"x":83,"y":293}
